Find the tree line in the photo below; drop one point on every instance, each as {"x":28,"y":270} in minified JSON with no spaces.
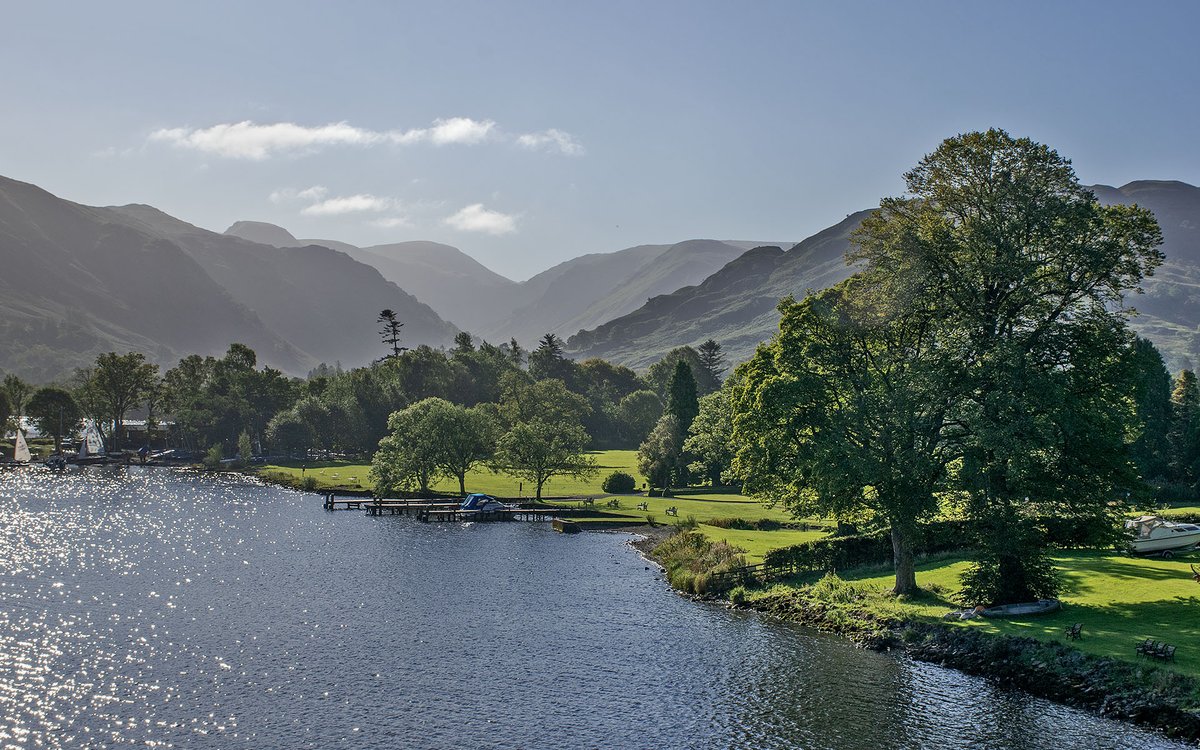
{"x":535,"y":413}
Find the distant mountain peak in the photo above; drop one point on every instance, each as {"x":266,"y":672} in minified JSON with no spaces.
{"x":263,"y":233}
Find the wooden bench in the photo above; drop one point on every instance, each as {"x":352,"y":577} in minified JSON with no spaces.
{"x":1075,"y":632}
{"x":672,"y":511}
{"x":643,"y":506}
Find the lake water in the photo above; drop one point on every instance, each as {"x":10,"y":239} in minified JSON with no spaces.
{"x":159,"y":608}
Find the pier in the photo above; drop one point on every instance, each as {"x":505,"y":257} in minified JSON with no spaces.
{"x":426,"y":509}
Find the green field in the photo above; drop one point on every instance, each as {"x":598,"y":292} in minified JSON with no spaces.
{"x":340,"y":475}
{"x":1120,"y":600}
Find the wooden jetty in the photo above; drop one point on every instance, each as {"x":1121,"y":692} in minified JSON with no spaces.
{"x":425,"y":509}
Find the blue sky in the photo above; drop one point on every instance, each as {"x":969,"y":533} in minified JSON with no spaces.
{"x":527,"y":133}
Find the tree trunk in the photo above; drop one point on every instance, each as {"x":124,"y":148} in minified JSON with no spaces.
{"x":540,"y":482}
{"x":462,"y":483}
{"x":902,"y":555}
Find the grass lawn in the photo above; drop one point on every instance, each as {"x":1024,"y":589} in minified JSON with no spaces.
{"x":759,"y":543}
{"x":1120,"y":600}
{"x":335,"y":475}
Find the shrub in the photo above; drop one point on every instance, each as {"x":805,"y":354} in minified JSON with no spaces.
{"x":619,"y":483}
{"x":737,"y":595}
{"x":762,"y":524}
{"x":308,"y":484}
{"x":212,"y":458}
{"x":690,"y":560}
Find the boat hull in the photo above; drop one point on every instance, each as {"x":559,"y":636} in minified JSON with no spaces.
{"x":1174,"y":542}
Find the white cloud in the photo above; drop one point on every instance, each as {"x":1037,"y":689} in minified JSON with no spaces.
{"x":476,"y":218}
{"x":551,"y":140}
{"x":391,"y":222}
{"x":249,"y":140}
{"x":454,"y":130}
{"x":255,"y":141}
{"x":348,"y":204}
{"x":287,"y":195}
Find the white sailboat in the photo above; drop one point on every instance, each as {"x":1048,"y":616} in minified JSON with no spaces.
{"x":91,"y":448}
{"x":21,"y":452}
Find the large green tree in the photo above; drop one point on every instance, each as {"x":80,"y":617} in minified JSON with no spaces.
{"x":54,"y":412}
{"x":709,"y":441}
{"x":18,"y":394}
{"x":537,"y":451}
{"x":841,"y":414}
{"x":660,"y":456}
{"x":117,"y":384}
{"x":466,"y":437}
{"x":407,"y":458}
{"x":1024,"y":272}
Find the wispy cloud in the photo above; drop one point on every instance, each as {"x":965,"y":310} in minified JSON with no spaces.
{"x":391,"y":222}
{"x":476,"y":218}
{"x":259,"y":141}
{"x":349,"y":204}
{"x":551,"y":140}
{"x":287,"y":195}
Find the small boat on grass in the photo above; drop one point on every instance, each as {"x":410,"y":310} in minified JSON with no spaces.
{"x":1151,"y":534}
{"x":1040,"y":607}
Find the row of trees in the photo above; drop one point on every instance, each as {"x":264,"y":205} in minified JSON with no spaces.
{"x":980,"y":360}
{"x":230,"y":402}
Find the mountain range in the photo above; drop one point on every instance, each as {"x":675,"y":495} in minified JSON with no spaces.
{"x":580,"y":293}
{"x":736,"y":305}
{"x":79,"y":280}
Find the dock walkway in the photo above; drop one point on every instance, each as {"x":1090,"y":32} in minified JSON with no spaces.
{"x":426,"y":509}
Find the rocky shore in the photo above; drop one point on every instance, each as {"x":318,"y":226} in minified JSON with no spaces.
{"x":1123,"y":690}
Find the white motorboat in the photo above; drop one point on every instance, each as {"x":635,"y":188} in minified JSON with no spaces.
{"x":1153,"y":534}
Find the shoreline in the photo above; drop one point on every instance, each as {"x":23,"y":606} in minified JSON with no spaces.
{"x":1112,"y":688}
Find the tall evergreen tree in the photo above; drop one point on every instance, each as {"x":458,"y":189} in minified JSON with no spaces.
{"x":1151,"y":451}
{"x":682,"y":400}
{"x":390,"y":331}
{"x":1184,"y":436}
{"x":712,"y":358}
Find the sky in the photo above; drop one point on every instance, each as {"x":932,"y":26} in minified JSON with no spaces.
{"x":528,"y":133}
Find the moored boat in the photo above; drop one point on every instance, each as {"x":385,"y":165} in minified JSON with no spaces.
{"x":1150,"y":534}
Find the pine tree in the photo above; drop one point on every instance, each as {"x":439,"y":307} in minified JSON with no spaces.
{"x":391,"y":331}
{"x":1185,"y":424}
{"x":712,"y":358}
{"x":682,"y":400}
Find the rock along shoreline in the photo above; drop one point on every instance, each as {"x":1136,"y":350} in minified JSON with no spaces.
{"x":1113,"y":688}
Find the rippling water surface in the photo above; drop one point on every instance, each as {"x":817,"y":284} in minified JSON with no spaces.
{"x":160,"y":608}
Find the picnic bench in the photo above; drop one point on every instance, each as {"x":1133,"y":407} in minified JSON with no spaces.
{"x":1156,"y":650}
{"x":643,"y":506}
{"x":1075,"y":632}
{"x":672,"y":511}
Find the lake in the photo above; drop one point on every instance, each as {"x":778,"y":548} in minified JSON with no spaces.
{"x":162,"y":608}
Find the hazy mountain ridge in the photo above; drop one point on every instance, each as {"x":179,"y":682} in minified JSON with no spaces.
{"x":77,"y":283}
{"x":1169,"y":311}
{"x":80,"y":280}
{"x":736,"y":305}
{"x":573,"y":295}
